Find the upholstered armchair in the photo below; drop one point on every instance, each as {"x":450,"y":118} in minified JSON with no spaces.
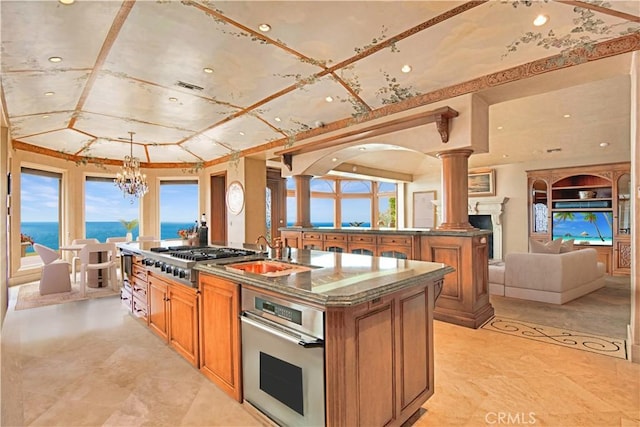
{"x":55,"y":271}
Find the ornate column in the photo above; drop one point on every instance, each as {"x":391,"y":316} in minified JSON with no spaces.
{"x":455,"y":169}
{"x":303,"y":200}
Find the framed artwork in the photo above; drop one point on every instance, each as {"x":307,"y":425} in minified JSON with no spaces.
{"x":424,"y":211}
{"x":482,"y":183}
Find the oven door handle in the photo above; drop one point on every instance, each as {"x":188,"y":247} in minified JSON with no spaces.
{"x":280,"y":331}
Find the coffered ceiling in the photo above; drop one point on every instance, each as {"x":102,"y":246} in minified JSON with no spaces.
{"x":200,"y":82}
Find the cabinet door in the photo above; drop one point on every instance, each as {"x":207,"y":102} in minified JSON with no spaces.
{"x":157,"y":311}
{"x":220,"y":333}
{"x":183,"y":321}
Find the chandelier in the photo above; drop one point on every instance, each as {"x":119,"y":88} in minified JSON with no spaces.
{"x":130,"y":180}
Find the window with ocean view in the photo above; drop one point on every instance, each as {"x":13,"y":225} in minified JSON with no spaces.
{"x":104,"y":209}
{"x":178,"y":207}
{"x":348,"y":202}
{"x":39,"y":209}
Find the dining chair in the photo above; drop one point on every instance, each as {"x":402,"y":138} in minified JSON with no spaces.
{"x":76,"y":257}
{"x":55,"y":271}
{"x":106,"y":261}
{"x":146,"y":238}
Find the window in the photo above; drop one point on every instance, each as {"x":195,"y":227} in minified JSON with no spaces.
{"x":40,"y":218}
{"x":386,"y":195}
{"x":346,"y":202}
{"x":105,"y":208}
{"x":179,"y":207}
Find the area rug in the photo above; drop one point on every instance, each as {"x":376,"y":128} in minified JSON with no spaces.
{"x":29,"y":295}
{"x":613,"y":347}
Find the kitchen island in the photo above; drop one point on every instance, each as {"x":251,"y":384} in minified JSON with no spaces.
{"x":465,"y":296}
{"x":377,"y":338}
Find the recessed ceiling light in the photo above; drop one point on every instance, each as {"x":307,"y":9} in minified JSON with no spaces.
{"x":505,"y":156}
{"x":49,"y":93}
{"x":406,"y":68}
{"x":540,"y":20}
{"x":173,"y":99}
{"x":67,"y":2}
{"x":362,"y":148}
{"x":208,"y":70}
{"x":264,"y":27}
{"x":277,"y":119}
{"x":500,"y":128}
{"x":329,"y":99}
{"x":241,"y":133}
{"x":604,"y":144}
{"x":566,"y":116}
{"x":335,"y":159}
{"x":45,"y":116}
{"x":55,"y":59}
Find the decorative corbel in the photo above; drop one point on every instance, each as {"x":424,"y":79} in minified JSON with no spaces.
{"x":287,"y":159}
{"x":442,"y":123}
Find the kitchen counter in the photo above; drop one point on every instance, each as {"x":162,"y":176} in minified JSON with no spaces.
{"x":337,"y":279}
{"x":392,"y":231}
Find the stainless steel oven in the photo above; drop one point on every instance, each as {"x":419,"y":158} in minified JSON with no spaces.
{"x":283,"y":359}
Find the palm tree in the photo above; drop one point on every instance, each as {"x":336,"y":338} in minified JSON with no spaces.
{"x":592,"y":218}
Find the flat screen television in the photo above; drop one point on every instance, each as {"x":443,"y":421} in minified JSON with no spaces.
{"x":588,"y":228}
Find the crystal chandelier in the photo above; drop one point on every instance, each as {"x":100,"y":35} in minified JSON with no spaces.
{"x":131,"y":181}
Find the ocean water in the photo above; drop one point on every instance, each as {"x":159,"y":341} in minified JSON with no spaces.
{"x":46,"y":233}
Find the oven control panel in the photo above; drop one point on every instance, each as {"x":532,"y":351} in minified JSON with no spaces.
{"x":278,"y":310}
{"x":293,"y":315}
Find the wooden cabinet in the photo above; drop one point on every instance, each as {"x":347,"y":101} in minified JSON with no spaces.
{"x":182,"y":313}
{"x":395,"y":246}
{"x":312,"y":240}
{"x":335,"y":242}
{"x":587,"y":204}
{"x":134,"y":291}
{"x":364,"y":244}
{"x":379,"y":359}
{"x":158,"y":321}
{"x":220,"y":353}
{"x":173,"y":315}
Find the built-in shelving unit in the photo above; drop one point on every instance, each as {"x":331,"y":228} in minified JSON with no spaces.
{"x":587,"y":204}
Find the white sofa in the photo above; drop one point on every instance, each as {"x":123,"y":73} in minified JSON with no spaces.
{"x":551,"y":278}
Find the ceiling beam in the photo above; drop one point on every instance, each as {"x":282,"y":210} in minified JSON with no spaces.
{"x":439,"y":116}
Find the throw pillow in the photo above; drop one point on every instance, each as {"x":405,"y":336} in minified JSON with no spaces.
{"x":566,"y":246}
{"x":552,"y":247}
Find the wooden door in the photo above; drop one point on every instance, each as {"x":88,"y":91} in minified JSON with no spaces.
{"x":183,"y":321}
{"x":157,"y":295}
{"x":218,"y":221}
{"x":220,"y":353}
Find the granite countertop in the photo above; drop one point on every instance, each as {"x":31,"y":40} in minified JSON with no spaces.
{"x":394,"y":231}
{"x":337,"y":279}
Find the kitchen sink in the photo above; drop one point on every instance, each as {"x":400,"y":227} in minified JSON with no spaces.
{"x":267,"y":268}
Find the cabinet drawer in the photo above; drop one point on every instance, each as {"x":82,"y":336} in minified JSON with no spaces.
{"x":335,"y":237}
{"x":394,"y":240}
{"x":307,"y":235}
{"x":139,"y":308}
{"x":126,"y":297}
{"x":139,"y":272}
{"x":139,"y":289}
{"x":362,"y":238}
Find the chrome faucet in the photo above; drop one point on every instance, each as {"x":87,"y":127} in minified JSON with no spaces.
{"x":277,"y":244}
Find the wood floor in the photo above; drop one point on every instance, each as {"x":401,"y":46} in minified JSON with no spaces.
{"x":89,"y":363}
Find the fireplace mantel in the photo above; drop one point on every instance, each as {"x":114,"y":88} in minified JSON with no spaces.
{"x":487,"y":206}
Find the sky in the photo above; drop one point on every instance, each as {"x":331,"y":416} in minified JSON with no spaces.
{"x":39,"y":201}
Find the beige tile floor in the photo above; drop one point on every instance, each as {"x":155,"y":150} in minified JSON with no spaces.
{"x":89,"y":363}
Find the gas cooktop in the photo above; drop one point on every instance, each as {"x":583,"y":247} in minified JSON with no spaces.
{"x":202,"y":253}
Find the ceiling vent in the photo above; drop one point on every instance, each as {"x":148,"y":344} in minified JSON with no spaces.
{"x":189,"y":86}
